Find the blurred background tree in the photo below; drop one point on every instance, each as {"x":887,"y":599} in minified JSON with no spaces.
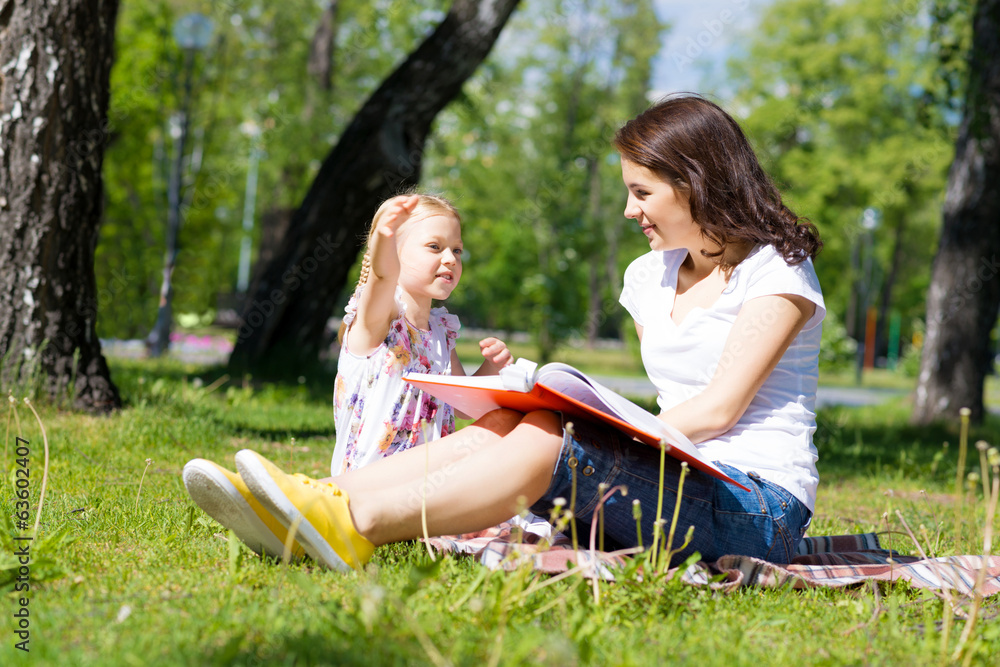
{"x":855,"y":106}
{"x":255,"y":74}
{"x":964,"y":294}
{"x":527,"y":155}
{"x":847,"y":103}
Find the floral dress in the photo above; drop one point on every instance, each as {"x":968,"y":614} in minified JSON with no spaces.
{"x":376,"y":412}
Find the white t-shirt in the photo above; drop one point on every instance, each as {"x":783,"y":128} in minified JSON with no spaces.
{"x":774,"y":436}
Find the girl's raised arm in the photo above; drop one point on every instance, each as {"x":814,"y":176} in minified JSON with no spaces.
{"x":377,"y":306}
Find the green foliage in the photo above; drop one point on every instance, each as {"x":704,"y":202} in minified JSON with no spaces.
{"x":527,"y":156}
{"x":250,"y":85}
{"x":848,"y":104}
{"x":837,"y":349}
{"x":160,"y":583}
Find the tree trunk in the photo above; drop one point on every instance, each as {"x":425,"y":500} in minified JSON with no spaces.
{"x":54,"y":87}
{"x":379,"y":154}
{"x":964,"y":294}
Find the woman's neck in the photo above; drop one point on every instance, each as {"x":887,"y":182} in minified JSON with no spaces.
{"x":698,"y":266}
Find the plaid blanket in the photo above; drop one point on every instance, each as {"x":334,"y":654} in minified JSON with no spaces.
{"x":835,"y":561}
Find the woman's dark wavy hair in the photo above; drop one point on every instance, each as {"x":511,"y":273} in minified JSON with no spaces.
{"x":701,"y":151}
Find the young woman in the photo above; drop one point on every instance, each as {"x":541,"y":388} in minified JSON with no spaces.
{"x":728,"y":310}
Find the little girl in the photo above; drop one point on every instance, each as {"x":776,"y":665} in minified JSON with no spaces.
{"x":414,"y":256}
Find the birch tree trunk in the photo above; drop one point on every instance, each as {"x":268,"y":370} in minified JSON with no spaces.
{"x":54,"y":86}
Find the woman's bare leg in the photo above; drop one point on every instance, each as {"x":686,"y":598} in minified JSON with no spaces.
{"x":470,"y":486}
{"x":400,"y":468}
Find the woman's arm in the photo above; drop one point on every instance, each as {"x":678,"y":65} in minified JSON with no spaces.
{"x":763,"y":330}
{"x":377,"y":304}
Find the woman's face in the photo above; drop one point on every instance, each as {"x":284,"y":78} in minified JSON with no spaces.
{"x":662,"y":212}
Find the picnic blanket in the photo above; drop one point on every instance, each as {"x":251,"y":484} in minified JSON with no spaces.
{"x":834,"y":561}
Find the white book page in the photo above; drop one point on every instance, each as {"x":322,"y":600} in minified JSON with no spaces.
{"x":575,"y":384}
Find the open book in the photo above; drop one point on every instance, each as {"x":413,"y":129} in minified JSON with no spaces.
{"x":525,"y":387}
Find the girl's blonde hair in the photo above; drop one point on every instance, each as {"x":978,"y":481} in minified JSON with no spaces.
{"x":427,"y":206}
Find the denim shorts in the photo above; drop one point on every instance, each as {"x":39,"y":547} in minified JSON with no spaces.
{"x":765,"y":522}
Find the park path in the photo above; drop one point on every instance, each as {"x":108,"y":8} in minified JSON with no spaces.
{"x":825,"y":396}
{"x":215,"y":350}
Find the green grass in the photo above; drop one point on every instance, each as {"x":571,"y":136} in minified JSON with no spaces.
{"x":156,"y":582}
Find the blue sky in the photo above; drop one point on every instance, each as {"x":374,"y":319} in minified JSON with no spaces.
{"x":701,"y":38}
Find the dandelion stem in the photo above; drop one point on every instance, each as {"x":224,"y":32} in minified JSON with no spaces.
{"x":573,"y":464}
{"x":984,"y":467}
{"x":963,"y":443}
{"x":659,"y":504}
{"x":637,"y":515}
{"x":669,"y":546}
{"x":148,"y":461}
{"x":423,"y":487}
{"x":45,"y":467}
{"x":6,"y":437}
{"x":977,"y":599}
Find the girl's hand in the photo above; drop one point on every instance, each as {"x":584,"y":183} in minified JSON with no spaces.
{"x":396,"y":213}
{"x":495,"y":356}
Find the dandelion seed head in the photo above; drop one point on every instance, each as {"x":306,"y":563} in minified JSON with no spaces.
{"x":982,"y":445}
{"x":965,"y":412}
{"x":559,"y":502}
{"x":27,"y":401}
{"x":993,"y":456}
{"x":149,"y":461}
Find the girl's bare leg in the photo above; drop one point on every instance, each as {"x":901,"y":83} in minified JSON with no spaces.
{"x":434,"y":456}
{"x":470,"y":486}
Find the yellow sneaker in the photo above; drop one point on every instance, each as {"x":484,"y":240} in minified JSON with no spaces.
{"x":225,"y":497}
{"x":319,"y":511}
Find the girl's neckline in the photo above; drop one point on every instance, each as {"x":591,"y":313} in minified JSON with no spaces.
{"x":414,"y":326}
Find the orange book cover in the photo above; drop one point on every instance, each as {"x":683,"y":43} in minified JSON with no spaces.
{"x":561,"y":388}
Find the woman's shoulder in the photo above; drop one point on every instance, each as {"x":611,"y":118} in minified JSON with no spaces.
{"x":765,"y":272}
{"x":765,"y":262}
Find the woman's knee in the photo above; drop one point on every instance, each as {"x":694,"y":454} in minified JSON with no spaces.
{"x":500,"y":421}
{"x":540,"y":433}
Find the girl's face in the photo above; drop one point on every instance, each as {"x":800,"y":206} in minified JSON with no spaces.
{"x":430,"y":256}
{"x":662,"y":212}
